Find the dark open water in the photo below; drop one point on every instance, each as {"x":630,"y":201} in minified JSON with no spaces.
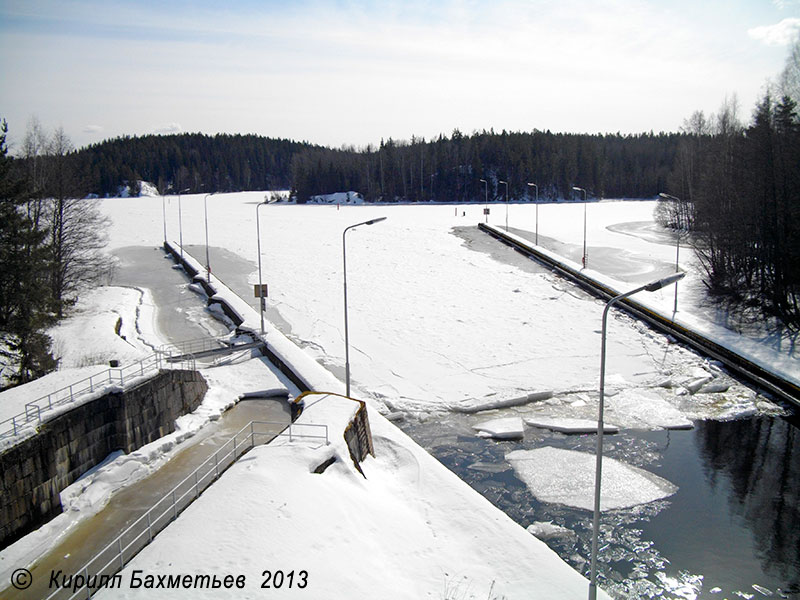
{"x":731,"y":531}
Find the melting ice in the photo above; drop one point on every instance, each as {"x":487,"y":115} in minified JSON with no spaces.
{"x":567,"y":477}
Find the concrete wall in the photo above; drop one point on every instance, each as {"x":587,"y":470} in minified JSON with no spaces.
{"x":33,"y":473}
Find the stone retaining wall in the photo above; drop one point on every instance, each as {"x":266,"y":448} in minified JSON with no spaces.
{"x":33,"y":473}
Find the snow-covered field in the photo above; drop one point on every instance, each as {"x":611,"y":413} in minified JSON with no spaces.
{"x":440,"y":318}
{"x":434,"y":323}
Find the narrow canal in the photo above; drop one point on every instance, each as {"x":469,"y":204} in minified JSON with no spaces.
{"x":731,"y":531}
{"x":181,"y":315}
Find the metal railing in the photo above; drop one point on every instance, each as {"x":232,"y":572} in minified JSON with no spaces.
{"x":169,"y":356}
{"x":34,"y":410}
{"x":113,"y":558}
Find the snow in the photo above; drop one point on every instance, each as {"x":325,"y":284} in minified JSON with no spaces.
{"x":407,"y":529}
{"x":92,"y":491}
{"x":338,"y":198}
{"x":84,"y":343}
{"x":439,"y":319}
{"x":414,"y":287}
{"x":506,"y":428}
{"x":567,"y":477}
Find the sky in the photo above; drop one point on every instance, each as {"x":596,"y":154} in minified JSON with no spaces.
{"x":353,"y":72}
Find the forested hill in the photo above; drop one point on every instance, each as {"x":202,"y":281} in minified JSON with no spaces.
{"x":447,"y":169}
{"x":450,"y":169}
{"x":196,"y":161}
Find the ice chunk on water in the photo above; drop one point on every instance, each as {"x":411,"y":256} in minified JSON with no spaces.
{"x":567,"y":425}
{"x":507,"y":428}
{"x":474,"y":405}
{"x":567,"y":477}
{"x":640,"y":409}
{"x":545,"y":530}
{"x":488,"y":467}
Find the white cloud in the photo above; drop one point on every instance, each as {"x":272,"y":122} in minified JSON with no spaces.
{"x":93,"y":129}
{"x":780,"y":34}
{"x":169,"y":128}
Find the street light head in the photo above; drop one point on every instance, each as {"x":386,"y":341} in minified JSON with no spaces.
{"x":578,"y":189}
{"x":373,"y":221}
{"x":662,"y":283}
{"x":184,"y":191}
{"x":668,"y":196}
{"x":483,"y":181}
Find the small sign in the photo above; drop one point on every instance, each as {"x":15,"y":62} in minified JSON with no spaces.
{"x":486,"y":211}
{"x":260,"y":291}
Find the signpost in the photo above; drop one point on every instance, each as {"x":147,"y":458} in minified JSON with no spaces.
{"x":260,"y":291}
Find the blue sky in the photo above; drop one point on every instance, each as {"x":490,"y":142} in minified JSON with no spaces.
{"x":353,"y":72}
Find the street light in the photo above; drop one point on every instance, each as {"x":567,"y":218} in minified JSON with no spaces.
{"x":537,"y":211}
{"x":506,"y":183}
{"x":577,"y":189}
{"x":180,"y":220}
{"x":486,"y":208}
{"x":260,"y":285}
{"x":205,"y":216}
{"x":344,"y":271}
{"x":677,"y":242}
{"x":164,"y":216}
{"x":650,"y":287}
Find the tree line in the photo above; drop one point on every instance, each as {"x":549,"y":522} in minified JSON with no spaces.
{"x":51,"y":247}
{"x":454,"y":168}
{"x":735,"y":189}
{"x":193,"y":161}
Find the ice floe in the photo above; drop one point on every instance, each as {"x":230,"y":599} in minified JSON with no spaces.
{"x":567,"y":425}
{"x":506,"y":428}
{"x":474,"y":405}
{"x":567,"y":477}
{"x":545,"y":530}
{"x":638,"y":409}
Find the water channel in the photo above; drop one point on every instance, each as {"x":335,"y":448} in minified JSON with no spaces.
{"x":181,"y":316}
{"x":732,"y":529}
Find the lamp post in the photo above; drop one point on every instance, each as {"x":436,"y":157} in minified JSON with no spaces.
{"x":486,"y":207}
{"x":537,"y":211}
{"x":344,"y":271}
{"x":262,"y":302}
{"x":677,"y":242}
{"x":180,"y":220}
{"x":650,"y":287}
{"x":164,"y":216}
{"x":506,"y":184}
{"x":205,"y":216}
{"x":577,"y":189}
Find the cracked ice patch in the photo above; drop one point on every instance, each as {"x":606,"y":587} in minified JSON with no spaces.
{"x":567,"y":477}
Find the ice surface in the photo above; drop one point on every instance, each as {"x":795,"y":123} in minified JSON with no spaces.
{"x":567,"y":425}
{"x":567,"y":477}
{"x":506,"y":428}
{"x":642,"y":409}
{"x":480,"y":404}
{"x":545,"y":530}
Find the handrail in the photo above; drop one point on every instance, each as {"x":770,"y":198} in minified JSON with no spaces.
{"x":121,"y":550}
{"x":32,"y":416}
